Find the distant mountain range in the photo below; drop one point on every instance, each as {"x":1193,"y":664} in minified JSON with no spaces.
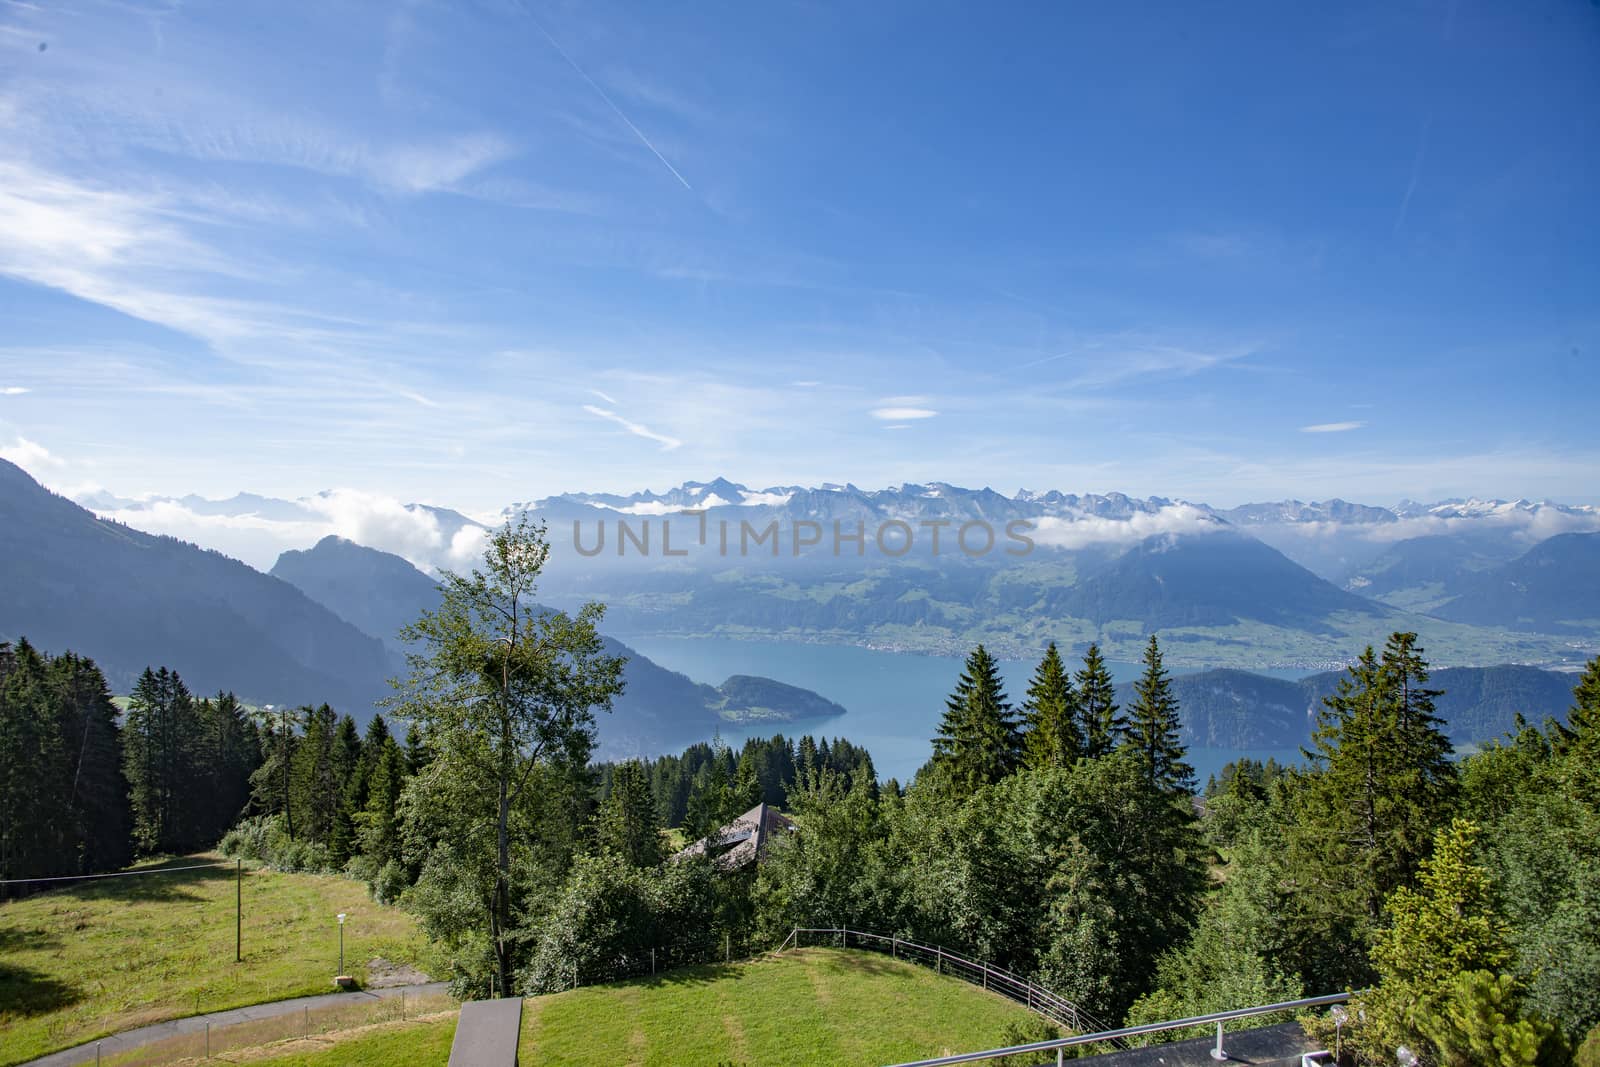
{"x":322,"y":627}
{"x":132,"y":600}
{"x":1239,"y":710}
{"x":381,"y":593}
{"x":1265,"y":584}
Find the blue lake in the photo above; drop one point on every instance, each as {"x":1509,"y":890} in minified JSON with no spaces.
{"x":893,"y":700}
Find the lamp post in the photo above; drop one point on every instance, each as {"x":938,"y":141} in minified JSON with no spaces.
{"x":1339,"y":1016}
{"x":341,"y":943}
{"x":1405,"y":1056}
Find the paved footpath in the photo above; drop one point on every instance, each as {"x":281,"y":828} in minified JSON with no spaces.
{"x":194,"y":1024}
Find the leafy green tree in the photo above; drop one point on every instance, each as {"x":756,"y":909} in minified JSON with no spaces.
{"x":500,"y":688}
{"x":1053,"y":736}
{"x":628,"y":823}
{"x":271,"y":785}
{"x":978,"y":742}
{"x":1123,"y":880}
{"x":832,"y":873}
{"x":609,"y":916}
{"x":1228,"y":961}
{"x":1545,"y":857}
{"x":1154,"y":727}
{"x":1103,"y":724}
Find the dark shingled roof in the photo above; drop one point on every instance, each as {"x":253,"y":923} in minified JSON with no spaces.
{"x":742,"y":841}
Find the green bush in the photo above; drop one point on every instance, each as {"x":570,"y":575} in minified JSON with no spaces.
{"x":611,"y":916}
{"x":262,"y":838}
{"x":1589,"y":1052}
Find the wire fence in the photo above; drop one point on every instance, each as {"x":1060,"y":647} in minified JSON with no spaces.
{"x":206,"y":1041}
{"x":638,"y":962}
{"x":1024,"y":991}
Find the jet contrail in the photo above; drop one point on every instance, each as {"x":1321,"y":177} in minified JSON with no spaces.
{"x":609,"y":102}
{"x":1416,"y":170}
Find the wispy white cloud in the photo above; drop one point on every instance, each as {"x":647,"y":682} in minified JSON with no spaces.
{"x":29,"y":455}
{"x":1107,"y":361}
{"x":1332,"y":427}
{"x":1093,"y":529}
{"x":13,"y":390}
{"x":900,"y":414}
{"x":637,"y":429}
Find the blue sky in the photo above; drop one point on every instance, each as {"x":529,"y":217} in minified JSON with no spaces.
{"x":475,"y":253}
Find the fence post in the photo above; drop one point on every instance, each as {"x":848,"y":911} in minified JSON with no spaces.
{"x":939,"y":966}
{"x":402,"y":1005}
{"x":727,"y":948}
{"x":208,"y":1041}
{"x":894,"y":948}
{"x":652,"y":960}
{"x":1217,"y":1053}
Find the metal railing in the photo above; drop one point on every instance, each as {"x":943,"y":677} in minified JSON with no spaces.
{"x":1022,"y":990}
{"x":1059,"y":1045}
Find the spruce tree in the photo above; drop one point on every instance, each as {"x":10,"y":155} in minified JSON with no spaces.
{"x":376,"y":823}
{"x":26,"y":737}
{"x":1380,"y":785}
{"x":162,"y":738}
{"x":1580,"y":746}
{"x":314,"y":781}
{"x":1154,"y":727}
{"x":978,"y":742}
{"x":1103,"y":725}
{"x":628,"y":823}
{"x":1053,"y":737}
{"x":346,"y":761}
{"x":97,"y":819}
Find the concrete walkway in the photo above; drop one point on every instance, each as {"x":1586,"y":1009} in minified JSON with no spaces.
{"x":194,"y":1024}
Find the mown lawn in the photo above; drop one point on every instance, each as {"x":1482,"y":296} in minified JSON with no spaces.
{"x":807,"y":1006}
{"x":101,"y":957}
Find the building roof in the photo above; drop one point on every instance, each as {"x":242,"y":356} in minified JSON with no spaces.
{"x":742,"y":841}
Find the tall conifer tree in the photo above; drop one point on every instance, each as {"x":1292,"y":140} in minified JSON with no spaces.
{"x":1054,"y":737}
{"x":978,"y":742}
{"x":1154,"y":727}
{"x":1103,"y":725}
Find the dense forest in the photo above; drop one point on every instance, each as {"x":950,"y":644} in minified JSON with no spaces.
{"x":83,"y":790}
{"x":1060,"y":835}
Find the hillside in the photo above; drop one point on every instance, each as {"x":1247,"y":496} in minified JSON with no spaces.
{"x":804,"y":1007}
{"x":1216,"y":579}
{"x":381,"y":592}
{"x":1553,"y":587}
{"x":131,"y":600}
{"x":101,"y":957}
{"x":1423,"y":572}
{"x":1237,"y":709}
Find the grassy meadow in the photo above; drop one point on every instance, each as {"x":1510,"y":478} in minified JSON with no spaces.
{"x":100,"y":957}
{"x":807,"y":1006}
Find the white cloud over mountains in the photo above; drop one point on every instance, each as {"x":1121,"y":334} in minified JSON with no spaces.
{"x":1089,"y":530}
{"x":370,"y":519}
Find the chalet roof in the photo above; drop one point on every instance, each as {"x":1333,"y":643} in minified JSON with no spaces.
{"x":742,"y":841}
